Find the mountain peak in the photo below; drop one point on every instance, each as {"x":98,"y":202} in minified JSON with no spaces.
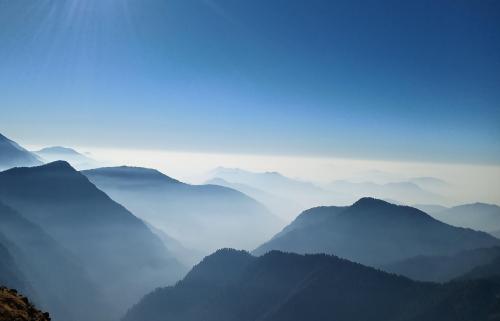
{"x":60,"y":165}
{"x":58,"y":150}
{"x":370,"y":201}
{"x":130,"y":172}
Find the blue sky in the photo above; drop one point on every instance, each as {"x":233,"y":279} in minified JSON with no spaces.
{"x":393,"y":80}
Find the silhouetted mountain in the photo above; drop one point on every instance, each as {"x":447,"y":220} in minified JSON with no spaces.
{"x":76,"y":159}
{"x":235,"y":286}
{"x":13,"y":155}
{"x":15,"y":307}
{"x":374,"y":232}
{"x":50,"y":270}
{"x":443,"y":268}
{"x":121,"y":255}
{"x":477,"y":216}
{"x":202,"y":217}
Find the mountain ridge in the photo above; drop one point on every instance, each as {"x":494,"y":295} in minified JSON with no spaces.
{"x":117,"y":248}
{"x":13,"y":155}
{"x":373,"y":232}
{"x":284,"y":286}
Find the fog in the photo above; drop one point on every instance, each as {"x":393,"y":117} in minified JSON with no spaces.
{"x":465,"y":182}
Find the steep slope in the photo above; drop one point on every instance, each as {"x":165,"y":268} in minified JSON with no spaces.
{"x":374,"y":232}
{"x":15,"y":307}
{"x":50,"y":269}
{"x":202,"y":217}
{"x":13,"y":155}
{"x":443,"y":268}
{"x":10,"y":274}
{"x":234,"y":286}
{"x":122,"y":256}
{"x":76,"y":159}
{"x":477,"y":216}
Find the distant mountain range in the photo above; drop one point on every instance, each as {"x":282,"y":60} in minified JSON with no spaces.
{"x":76,"y":159}
{"x":299,"y":194}
{"x":477,"y":216}
{"x":375,"y":233}
{"x":286,"y":208}
{"x":202,"y":217}
{"x":402,"y":192}
{"x":235,"y":286}
{"x":271,"y":188}
{"x":122,"y":257}
{"x":13,"y":155}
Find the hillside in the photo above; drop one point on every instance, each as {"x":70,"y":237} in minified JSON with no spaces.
{"x":235,"y":286}
{"x":122,"y":257}
{"x":13,"y":155}
{"x":47,"y":267}
{"x":375,"y":233}
{"x":201,"y":217}
{"x":10,"y":275}
{"x":15,"y":307}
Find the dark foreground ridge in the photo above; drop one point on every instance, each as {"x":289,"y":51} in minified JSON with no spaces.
{"x":15,"y":307}
{"x":232,"y":285}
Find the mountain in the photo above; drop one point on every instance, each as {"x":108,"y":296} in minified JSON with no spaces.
{"x":443,"y":268}
{"x":477,"y":216}
{"x":13,"y":155}
{"x":235,"y":286}
{"x":15,"y":307}
{"x":303,"y":194}
{"x":120,"y":254}
{"x":201,"y":217}
{"x":284,"y":208}
{"x":69,"y":155}
{"x":50,"y":269}
{"x":375,"y":233}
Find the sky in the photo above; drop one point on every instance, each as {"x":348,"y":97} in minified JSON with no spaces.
{"x":396,"y":81}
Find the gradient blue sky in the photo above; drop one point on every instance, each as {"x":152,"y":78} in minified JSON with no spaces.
{"x":396,"y":80}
